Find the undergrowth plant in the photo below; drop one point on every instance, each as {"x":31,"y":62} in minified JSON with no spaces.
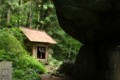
{"x":24,"y":66}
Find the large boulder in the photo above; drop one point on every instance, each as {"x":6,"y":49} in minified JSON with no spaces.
{"x":95,"y":23}
{"x":89,"y":20}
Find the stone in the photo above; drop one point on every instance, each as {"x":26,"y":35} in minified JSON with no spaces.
{"x":89,"y":20}
{"x":96,"y":24}
{"x":5,"y":70}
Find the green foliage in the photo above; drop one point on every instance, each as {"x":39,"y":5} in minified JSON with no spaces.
{"x":41,"y":14}
{"x":29,"y":74}
{"x":38,"y":13}
{"x":54,"y":62}
{"x":18,"y":34}
{"x":10,"y":43}
{"x":23,"y":64}
{"x":67,"y":47}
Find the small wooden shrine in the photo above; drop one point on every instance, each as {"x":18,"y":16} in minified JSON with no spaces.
{"x":40,"y":41}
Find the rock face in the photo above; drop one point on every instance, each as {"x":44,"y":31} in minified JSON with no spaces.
{"x":95,"y":23}
{"x":89,"y":20}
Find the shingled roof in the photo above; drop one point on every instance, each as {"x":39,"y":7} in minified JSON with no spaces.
{"x":37,"y":35}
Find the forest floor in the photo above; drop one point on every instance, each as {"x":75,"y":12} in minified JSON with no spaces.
{"x":54,"y":77}
{"x":50,"y":76}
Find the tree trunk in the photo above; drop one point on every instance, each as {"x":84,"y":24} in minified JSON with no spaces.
{"x":19,"y":13}
{"x":30,"y":16}
{"x":98,"y":62}
{"x":8,"y":16}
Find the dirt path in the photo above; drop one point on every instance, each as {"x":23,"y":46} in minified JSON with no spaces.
{"x":52,"y":77}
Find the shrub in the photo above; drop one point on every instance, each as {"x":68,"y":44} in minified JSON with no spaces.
{"x":25,"y":67}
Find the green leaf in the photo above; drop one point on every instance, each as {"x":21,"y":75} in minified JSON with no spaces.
{"x":45,"y":7}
